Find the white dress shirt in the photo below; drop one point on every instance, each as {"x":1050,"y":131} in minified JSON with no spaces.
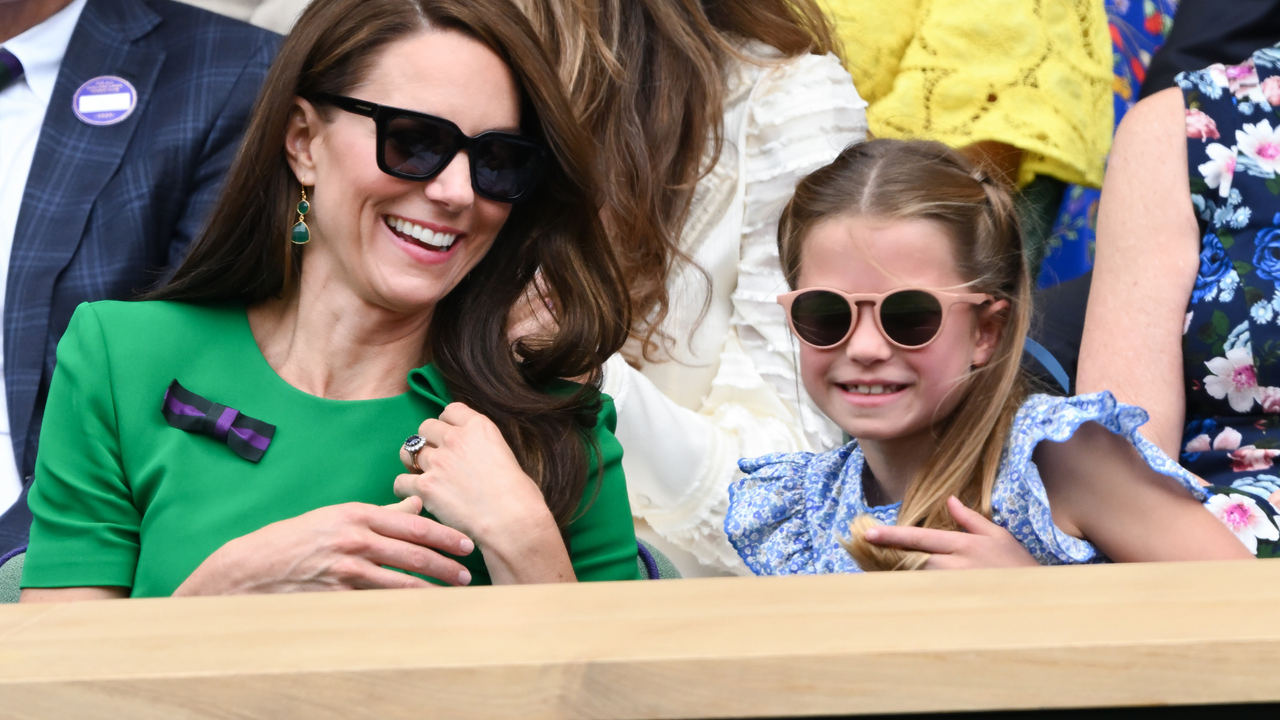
{"x":22,"y":109}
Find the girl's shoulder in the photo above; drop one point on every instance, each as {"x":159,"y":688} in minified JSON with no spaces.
{"x":1019,"y":500}
{"x":1046,"y":417}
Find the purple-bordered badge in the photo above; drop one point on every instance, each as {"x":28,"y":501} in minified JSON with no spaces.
{"x":104,"y":100}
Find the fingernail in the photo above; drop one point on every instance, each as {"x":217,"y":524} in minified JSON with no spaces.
{"x":464,"y":578}
{"x":873,"y":534}
{"x":466,"y":546}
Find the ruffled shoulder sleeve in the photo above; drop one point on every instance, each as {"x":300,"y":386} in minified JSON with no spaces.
{"x":1019,"y":501}
{"x":781,"y":514}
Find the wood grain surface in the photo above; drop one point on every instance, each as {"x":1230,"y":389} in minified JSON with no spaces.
{"x":1096,"y":636}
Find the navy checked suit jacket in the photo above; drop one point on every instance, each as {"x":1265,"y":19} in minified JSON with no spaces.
{"x":109,"y":210}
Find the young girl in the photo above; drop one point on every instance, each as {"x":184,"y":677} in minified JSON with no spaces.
{"x":911,"y":301}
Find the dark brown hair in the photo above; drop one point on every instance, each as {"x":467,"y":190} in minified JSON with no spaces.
{"x":908,"y":180}
{"x":648,"y":79}
{"x":245,"y":255}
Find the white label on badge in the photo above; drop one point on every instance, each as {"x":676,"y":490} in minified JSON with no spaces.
{"x":105,"y":103}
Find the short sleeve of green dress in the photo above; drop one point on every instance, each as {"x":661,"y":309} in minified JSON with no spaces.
{"x":123,"y":498}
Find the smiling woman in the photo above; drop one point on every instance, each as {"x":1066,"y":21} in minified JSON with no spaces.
{"x":237,"y":432}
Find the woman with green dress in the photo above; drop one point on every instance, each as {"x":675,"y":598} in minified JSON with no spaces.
{"x":411,"y":166}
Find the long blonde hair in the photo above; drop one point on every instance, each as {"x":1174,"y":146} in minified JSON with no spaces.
{"x":908,"y":180}
{"x":647,"y":77}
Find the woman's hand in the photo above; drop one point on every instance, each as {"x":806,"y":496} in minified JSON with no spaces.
{"x":983,"y":545}
{"x":472,"y":481}
{"x":340,"y":547}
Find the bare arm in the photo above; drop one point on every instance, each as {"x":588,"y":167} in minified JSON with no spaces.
{"x":1101,"y":489}
{"x":72,"y":594}
{"x":1147,"y":259}
{"x":340,"y":547}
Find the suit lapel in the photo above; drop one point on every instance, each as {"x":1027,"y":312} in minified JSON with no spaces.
{"x":72,"y":164}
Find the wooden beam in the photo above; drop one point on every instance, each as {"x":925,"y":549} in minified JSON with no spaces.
{"x":1096,"y":636}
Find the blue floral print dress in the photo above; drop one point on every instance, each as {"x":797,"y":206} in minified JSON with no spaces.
{"x":1231,"y":337}
{"x":788,"y":515}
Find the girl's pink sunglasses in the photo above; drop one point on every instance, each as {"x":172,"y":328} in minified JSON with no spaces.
{"x":909,"y":318}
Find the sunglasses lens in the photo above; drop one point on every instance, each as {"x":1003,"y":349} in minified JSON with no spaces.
{"x":418,"y":147}
{"x":820,"y":317}
{"x":504,"y":168}
{"x":911,"y":317}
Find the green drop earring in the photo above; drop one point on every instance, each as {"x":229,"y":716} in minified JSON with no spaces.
{"x":301,"y":233}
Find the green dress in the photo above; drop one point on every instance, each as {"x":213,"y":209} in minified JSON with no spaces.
{"x":122,"y":498}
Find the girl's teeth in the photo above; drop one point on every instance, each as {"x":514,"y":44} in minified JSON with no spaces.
{"x":872,"y":389}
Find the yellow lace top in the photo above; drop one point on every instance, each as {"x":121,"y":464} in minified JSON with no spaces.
{"x":1032,"y":74}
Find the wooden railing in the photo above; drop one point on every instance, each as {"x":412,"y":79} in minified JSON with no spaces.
{"x":1101,"y":636}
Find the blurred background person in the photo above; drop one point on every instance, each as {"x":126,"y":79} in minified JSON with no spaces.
{"x":706,"y":115}
{"x":1138,"y":29}
{"x":1183,"y":315}
{"x":1206,"y":32}
{"x":277,"y":15}
{"x":120,"y":119}
{"x":1173,"y":37}
{"x":1023,"y":89}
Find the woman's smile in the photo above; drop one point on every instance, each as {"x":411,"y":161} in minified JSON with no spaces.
{"x":424,"y":242}
{"x":434,"y":237}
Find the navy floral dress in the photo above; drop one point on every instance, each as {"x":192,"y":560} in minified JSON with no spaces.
{"x":1231,"y":337}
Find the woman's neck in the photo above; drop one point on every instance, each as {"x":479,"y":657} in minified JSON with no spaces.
{"x":328,"y":342}
{"x":890,"y":465}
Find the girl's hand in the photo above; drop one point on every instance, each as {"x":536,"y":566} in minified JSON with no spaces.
{"x":472,"y":481}
{"x":983,"y":545}
{"x":340,"y":547}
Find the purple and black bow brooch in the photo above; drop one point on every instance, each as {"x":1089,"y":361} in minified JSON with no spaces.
{"x":246,"y":436}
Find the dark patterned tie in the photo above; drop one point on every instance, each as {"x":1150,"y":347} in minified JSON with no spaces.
{"x":10,"y":68}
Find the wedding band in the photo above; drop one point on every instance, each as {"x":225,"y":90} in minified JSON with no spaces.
{"x":413,"y":445}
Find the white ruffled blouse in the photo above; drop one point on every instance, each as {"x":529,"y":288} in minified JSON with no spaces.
{"x":729,"y":388}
